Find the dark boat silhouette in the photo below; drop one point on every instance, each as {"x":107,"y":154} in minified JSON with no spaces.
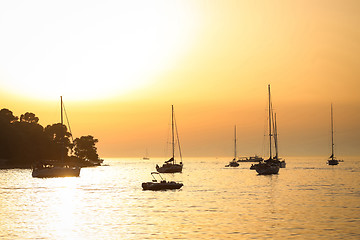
{"x":160,"y":185}
{"x":271,"y":165}
{"x":332,"y":159}
{"x":170,"y":166}
{"x":233,"y":163}
{"x":52,"y":168}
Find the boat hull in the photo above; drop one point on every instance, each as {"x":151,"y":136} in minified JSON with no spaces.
{"x":232,"y":164}
{"x":169,"y":168}
{"x":266,"y":169}
{"x":56,"y":172}
{"x":161,"y":186}
{"x":333,"y":162}
{"x":282,"y":164}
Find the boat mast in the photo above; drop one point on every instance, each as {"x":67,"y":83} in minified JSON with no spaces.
{"x":235,"y":143}
{"x":62,"y":131}
{"x":270,"y":121}
{"x":275,"y":138}
{"x":332,"y":134}
{"x":172,"y":132}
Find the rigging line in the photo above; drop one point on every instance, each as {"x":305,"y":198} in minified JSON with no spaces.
{"x":68,"y":123}
{"x":177,"y":136}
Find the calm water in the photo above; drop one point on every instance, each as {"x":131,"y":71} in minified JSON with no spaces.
{"x":307,"y":200}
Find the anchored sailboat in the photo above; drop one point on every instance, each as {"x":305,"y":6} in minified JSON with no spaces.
{"x":332,"y":160}
{"x":52,"y":168}
{"x":233,"y":163}
{"x":170,"y":166}
{"x":272,"y":165}
{"x":146,"y":156}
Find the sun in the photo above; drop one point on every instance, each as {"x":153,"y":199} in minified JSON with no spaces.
{"x":90,"y":51}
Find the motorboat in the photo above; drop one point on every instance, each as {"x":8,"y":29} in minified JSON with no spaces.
{"x":49,"y":170}
{"x":254,"y":158}
{"x":161,"y":184}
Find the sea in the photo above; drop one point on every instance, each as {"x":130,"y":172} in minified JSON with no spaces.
{"x":307,"y":200}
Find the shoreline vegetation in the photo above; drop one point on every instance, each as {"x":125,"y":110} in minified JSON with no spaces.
{"x":24,"y":142}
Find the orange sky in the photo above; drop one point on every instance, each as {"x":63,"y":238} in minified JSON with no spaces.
{"x":120,"y":66}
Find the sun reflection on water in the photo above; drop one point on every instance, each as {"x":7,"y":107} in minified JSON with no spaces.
{"x":65,"y":210}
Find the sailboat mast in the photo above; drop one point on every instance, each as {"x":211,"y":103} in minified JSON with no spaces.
{"x":172,"y":132}
{"x":62,"y":131}
{"x":275,"y":138}
{"x":332,"y":133}
{"x":235,"y":142}
{"x":270,"y":121}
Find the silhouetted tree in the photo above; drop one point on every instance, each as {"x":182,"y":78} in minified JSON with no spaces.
{"x":30,"y":143}
{"x":84,"y":148}
{"x":25,"y":141}
{"x":7,"y":116}
{"x":8,"y":135}
{"x":29,"y":117}
{"x":59,"y":142}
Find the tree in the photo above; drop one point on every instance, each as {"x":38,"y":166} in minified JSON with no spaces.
{"x":25,"y":141}
{"x":29,"y":118}
{"x":30,"y":143}
{"x":84,"y":148}
{"x":7,"y":116}
{"x":59,"y":142}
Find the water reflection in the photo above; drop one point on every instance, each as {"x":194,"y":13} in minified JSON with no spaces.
{"x":305,"y":200}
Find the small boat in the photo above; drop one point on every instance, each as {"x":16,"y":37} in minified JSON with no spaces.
{"x":146,"y":156}
{"x":53,"y":168}
{"x":233,"y":163}
{"x":160,"y":185}
{"x":332,"y":159}
{"x":272,"y":165}
{"x":170,"y":166}
{"x":254,"y":158}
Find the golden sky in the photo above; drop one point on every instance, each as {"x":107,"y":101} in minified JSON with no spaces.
{"x":120,"y":65}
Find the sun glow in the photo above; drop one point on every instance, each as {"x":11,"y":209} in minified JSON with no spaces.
{"x":87,"y":51}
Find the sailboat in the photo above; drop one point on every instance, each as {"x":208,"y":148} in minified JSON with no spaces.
{"x":146,"y":156}
{"x":332,"y":160}
{"x":170,"y":166}
{"x":272,"y":165}
{"x":233,"y":163}
{"x":52,"y":168}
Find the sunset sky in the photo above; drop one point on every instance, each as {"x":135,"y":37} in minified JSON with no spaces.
{"x":120,"y":65}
